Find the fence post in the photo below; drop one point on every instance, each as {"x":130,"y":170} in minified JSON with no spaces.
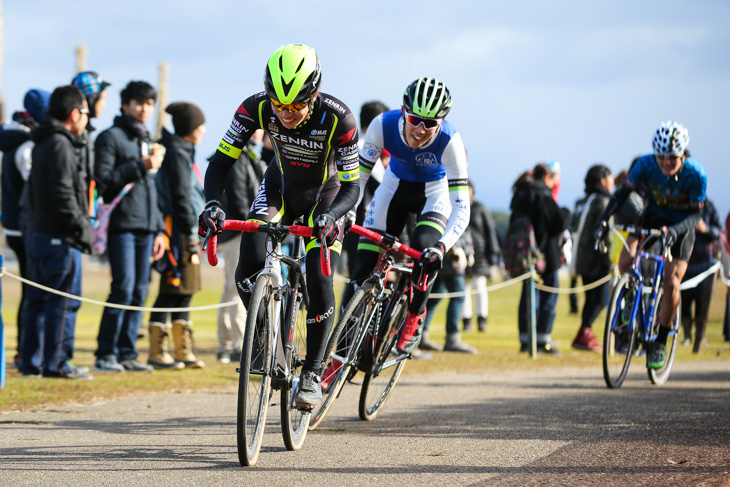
{"x":2,"y":330}
{"x":533,"y":316}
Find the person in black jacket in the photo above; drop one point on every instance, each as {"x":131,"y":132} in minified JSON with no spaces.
{"x":486,"y":254}
{"x":241,"y":187}
{"x":591,"y":264}
{"x":707,"y":235}
{"x":180,"y":191}
{"x":16,"y":148}
{"x":533,"y":198}
{"x":124,"y":159}
{"x":60,"y":231}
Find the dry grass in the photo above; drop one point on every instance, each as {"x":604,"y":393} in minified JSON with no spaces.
{"x":497,"y":347}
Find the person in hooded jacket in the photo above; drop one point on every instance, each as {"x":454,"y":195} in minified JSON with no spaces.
{"x":125,"y":161}
{"x":592,"y":264}
{"x":181,"y":197}
{"x":17,"y":147}
{"x":533,"y":197}
{"x":60,"y":231}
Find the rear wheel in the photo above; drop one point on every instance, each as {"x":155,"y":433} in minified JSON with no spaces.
{"x":294,"y":422}
{"x":660,"y":376}
{"x":344,"y":343}
{"x":254,"y":381}
{"x":619,"y":336}
{"x":387,"y":362}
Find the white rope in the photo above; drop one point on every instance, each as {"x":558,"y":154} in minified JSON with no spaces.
{"x":695,"y":281}
{"x":574,"y":290}
{"x":4,"y":272}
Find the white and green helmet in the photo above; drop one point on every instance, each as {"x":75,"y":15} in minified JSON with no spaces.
{"x":671,"y":138}
{"x":428,"y":98}
{"x":293,"y":74}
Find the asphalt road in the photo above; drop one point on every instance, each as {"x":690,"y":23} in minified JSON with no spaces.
{"x":552,"y":427}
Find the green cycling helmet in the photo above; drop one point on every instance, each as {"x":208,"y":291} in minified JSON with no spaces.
{"x":293,"y":74}
{"x":427,"y":97}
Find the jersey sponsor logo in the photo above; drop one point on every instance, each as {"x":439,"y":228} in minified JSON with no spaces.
{"x":334,"y":105}
{"x":231,"y":138}
{"x":285,"y":139}
{"x":426,"y":159}
{"x":238,"y":127}
{"x":322,"y":317}
{"x":350,"y":175}
{"x":348,"y":150}
{"x":319,"y":132}
{"x":273,"y":128}
{"x":370,"y":151}
{"x":229,"y":150}
{"x":242,"y":110}
{"x":350,"y":167}
{"x":458,"y":182}
{"x":259,"y":206}
{"x":299,"y":164}
{"x":344,"y":139}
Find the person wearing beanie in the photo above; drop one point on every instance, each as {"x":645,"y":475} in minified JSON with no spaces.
{"x":181,"y":199}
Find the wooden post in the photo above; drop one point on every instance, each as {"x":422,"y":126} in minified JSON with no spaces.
{"x":163,"y":99}
{"x":80,"y":58}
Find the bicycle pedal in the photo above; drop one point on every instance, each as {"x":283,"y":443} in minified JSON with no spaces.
{"x":304,"y":408}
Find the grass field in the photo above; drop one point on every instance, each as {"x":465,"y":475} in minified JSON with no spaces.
{"x":498,"y":346}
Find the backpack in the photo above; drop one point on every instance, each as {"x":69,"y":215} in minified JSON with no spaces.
{"x":520,"y":252}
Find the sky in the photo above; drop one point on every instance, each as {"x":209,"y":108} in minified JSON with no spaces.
{"x":580,"y":82}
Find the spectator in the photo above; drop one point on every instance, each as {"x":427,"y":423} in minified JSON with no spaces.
{"x":241,"y":187}
{"x":94,"y":88}
{"x":486,"y":254}
{"x":707,"y":235}
{"x":533,"y":198}
{"x":181,"y":198}
{"x":16,"y":147}
{"x":135,"y":226}
{"x":590,"y":264}
{"x":450,"y":279}
{"x":726,"y":320}
{"x":60,"y":231}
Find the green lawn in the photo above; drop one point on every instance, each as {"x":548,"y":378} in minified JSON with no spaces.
{"x":498,"y":347}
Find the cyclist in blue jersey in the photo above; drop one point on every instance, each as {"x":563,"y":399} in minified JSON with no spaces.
{"x":675,"y":186}
{"x":314,"y":174}
{"x":427,"y":176}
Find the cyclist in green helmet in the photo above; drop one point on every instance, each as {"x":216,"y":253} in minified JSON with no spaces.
{"x":314,"y":174}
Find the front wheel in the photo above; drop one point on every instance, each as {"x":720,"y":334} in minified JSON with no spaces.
{"x":387,"y":362}
{"x":294,"y":422}
{"x":254,"y":381}
{"x":619,"y":336}
{"x":345,"y":341}
{"x":660,"y":376}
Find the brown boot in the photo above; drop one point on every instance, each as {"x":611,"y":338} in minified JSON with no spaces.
{"x":182,"y":335}
{"x":159,"y":356}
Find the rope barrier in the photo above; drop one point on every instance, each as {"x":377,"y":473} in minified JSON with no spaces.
{"x":4,"y":272}
{"x":574,"y":290}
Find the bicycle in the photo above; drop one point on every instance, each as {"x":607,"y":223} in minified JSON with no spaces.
{"x":367,"y":331}
{"x":274,"y":344}
{"x":631,"y":322}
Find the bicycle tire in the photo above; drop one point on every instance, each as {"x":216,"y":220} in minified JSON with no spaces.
{"x":295,"y":422}
{"x":377,"y":387}
{"x":660,"y":376}
{"x":619,"y":335}
{"x":254,"y":389}
{"x":356,"y":315}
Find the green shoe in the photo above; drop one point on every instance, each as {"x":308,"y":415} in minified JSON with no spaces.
{"x":657,"y":355}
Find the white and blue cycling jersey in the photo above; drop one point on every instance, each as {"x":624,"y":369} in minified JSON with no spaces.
{"x":670,"y":197}
{"x":441,"y":164}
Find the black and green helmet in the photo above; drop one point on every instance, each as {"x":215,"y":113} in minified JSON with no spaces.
{"x":293,"y":74}
{"x":428,"y":98}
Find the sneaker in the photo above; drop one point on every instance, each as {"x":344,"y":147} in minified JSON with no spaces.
{"x":310,"y":390}
{"x":482,"y":324}
{"x":524,"y":348}
{"x":686,"y":342}
{"x":428,"y":344}
{"x":107,"y":364}
{"x":548,"y":349}
{"x":411,"y":334}
{"x":132,"y":365}
{"x":236,"y":356}
{"x":454,"y":344}
{"x":467,"y":324}
{"x":70,"y":371}
{"x":657,"y":355}
{"x":223,"y":357}
{"x":16,"y":362}
{"x":586,"y":340}
{"x":330,"y":373}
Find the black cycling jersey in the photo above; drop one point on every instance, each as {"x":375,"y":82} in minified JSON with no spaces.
{"x":323,"y":148}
